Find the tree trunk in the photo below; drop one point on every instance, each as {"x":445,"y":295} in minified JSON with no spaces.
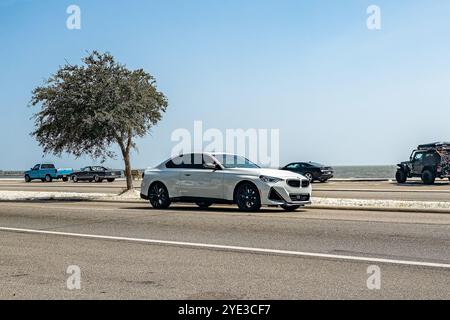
{"x":128,"y":175}
{"x":126,"y":158}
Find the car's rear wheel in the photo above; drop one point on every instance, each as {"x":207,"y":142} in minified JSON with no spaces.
{"x":401,"y":176}
{"x":290,"y":208}
{"x":428,"y":177}
{"x":247,"y":197}
{"x":323,"y":180}
{"x":65,"y":179}
{"x":204,"y":204}
{"x":75,"y":179}
{"x":159,"y":196}
{"x":111,"y":180}
{"x":48,"y":178}
{"x":27,"y":178}
{"x":309,"y":176}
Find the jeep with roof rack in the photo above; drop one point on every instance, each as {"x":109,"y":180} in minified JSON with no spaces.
{"x":428,"y":162}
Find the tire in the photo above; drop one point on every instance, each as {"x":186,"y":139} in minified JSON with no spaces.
{"x":428,"y":177}
{"x":401,"y":176}
{"x":159,"y":196}
{"x":27,"y":178}
{"x":98,"y":179}
{"x":75,"y":179}
{"x":48,"y":178}
{"x":204,"y":204}
{"x":309,"y":176}
{"x":323,"y":180}
{"x":111,"y":180}
{"x":289,"y":208}
{"x":247,"y":197}
{"x":65,"y":179}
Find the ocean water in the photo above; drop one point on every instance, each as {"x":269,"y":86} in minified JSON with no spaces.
{"x":346,"y":172}
{"x":342,"y":172}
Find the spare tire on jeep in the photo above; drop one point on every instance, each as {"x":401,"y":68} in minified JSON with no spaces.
{"x":428,"y":176}
{"x":401,"y":176}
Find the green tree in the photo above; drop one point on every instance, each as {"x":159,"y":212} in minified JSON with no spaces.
{"x":87,"y":108}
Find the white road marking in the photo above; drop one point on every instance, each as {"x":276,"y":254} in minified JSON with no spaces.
{"x":232,"y":248}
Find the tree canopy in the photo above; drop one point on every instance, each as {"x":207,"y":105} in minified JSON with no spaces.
{"x":87,"y":108}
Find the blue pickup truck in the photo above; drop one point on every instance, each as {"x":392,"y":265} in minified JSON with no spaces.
{"x":47,"y":173}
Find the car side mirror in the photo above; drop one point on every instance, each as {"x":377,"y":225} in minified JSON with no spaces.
{"x":211,"y":166}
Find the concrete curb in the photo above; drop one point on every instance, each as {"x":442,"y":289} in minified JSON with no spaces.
{"x":360,"y":179}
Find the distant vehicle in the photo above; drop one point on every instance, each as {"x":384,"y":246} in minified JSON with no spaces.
{"x":95,"y":173}
{"x":428,"y":161}
{"x":47,"y":172}
{"x":210,"y":178}
{"x":311,"y":170}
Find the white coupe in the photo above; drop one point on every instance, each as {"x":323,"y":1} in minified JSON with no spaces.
{"x":210,"y":178}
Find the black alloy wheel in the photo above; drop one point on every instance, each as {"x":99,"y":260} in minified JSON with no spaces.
{"x":247,"y":197}
{"x":159,"y":196}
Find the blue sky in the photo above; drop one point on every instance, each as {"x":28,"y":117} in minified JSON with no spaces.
{"x":338,"y":92}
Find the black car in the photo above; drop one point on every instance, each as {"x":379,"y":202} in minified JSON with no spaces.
{"x":311,"y":170}
{"x":95,"y":173}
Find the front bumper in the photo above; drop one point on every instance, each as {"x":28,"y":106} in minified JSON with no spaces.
{"x":281,"y":193}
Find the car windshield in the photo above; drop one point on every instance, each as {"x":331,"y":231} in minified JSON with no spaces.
{"x":234,"y":161}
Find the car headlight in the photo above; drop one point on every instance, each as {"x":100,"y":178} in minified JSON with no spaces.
{"x":268,"y":179}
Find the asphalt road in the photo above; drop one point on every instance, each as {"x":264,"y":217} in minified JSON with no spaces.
{"x":132,"y":251}
{"x":413,"y":190}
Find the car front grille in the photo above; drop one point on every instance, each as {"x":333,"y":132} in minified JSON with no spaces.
{"x":299,"y":197}
{"x":305,"y":183}
{"x":294,"y":183}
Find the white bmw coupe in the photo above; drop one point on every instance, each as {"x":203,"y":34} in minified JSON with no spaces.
{"x":210,"y":178}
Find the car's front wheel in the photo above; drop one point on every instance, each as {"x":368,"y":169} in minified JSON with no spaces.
{"x":247,"y":197}
{"x":98,"y":179}
{"x":111,"y":180}
{"x":159,"y":196}
{"x":75,"y":178}
{"x":48,"y":178}
{"x":27,"y":178}
{"x":290,"y":208}
{"x":400,"y":176}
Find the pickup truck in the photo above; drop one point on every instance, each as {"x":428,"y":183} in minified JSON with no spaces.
{"x":47,"y":173}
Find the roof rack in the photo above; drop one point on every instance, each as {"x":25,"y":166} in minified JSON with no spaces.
{"x":434,"y":145}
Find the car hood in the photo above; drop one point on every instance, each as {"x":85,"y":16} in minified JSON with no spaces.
{"x":283,"y":174}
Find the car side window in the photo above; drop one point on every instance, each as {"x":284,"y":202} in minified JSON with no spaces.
{"x":207,"y":159}
{"x":181,"y":162}
{"x":36,"y":167}
{"x":293,"y":166}
{"x":418,"y":156}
